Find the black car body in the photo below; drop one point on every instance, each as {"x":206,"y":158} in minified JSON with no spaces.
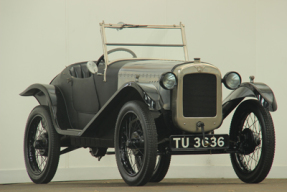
{"x":149,"y":109}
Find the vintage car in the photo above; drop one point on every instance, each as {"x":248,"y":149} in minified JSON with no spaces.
{"x":148,"y":109}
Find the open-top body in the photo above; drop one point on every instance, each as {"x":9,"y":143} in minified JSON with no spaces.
{"x":148,"y":108}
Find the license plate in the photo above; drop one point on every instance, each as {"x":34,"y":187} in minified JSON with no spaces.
{"x":196,"y":142}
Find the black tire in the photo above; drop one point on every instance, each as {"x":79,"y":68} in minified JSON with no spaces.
{"x":252,"y":132}
{"x":41,"y":146}
{"x":135,"y":143}
{"x":162,"y":165}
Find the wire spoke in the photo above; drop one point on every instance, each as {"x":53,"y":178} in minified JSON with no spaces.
{"x":37,"y":157}
{"x":250,"y":161}
{"x":130,"y":131}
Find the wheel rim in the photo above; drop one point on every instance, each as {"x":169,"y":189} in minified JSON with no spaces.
{"x":37,"y":145}
{"x":131,"y":144}
{"x":248,"y":162}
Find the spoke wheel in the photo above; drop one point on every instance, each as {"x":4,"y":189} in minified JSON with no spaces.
{"x":252,"y":133}
{"x":135,"y":143}
{"x":41,"y":146}
{"x":162,"y":165}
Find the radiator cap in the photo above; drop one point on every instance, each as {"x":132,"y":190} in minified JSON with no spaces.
{"x":196,"y":60}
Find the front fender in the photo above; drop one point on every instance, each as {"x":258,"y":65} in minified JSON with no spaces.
{"x":105,"y":119}
{"x":151,"y":96}
{"x":257,"y":90}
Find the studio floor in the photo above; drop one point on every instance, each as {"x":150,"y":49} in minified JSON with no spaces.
{"x":167,"y":185}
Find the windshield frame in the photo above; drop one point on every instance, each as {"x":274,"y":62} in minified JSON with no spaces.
{"x":121,"y":26}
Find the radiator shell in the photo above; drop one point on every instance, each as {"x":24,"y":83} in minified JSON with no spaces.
{"x":197,"y":97}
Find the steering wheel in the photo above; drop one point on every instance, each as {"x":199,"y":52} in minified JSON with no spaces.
{"x":115,"y":50}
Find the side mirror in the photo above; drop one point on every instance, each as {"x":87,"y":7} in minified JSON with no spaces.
{"x":92,"y":67}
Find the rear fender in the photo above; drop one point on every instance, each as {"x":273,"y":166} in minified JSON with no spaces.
{"x":45,"y":95}
{"x":50,"y":96}
{"x":260,"y":91}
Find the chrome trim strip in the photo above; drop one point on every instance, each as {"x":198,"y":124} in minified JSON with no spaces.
{"x":142,"y":59}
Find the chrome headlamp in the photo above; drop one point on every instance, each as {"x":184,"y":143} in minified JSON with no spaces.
{"x":232,"y":80}
{"x":168,"y":80}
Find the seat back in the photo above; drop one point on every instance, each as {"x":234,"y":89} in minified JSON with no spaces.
{"x":80,"y":71}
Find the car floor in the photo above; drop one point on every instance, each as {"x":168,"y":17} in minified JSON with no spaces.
{"x":167,"y":185}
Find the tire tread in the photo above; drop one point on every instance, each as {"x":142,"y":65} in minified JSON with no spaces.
{"x":268,"y":135}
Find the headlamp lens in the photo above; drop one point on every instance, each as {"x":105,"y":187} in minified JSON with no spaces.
{"x":232,"y":80}
{"x":168,"y":81}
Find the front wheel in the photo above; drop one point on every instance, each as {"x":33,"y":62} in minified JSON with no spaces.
{"x":41,"y":146}
{"x":162,"y":164}
{"x":135,"y":143}
{"x":252,"y":133}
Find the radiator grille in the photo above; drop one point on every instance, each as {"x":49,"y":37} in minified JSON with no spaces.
{"x":199,"y":95}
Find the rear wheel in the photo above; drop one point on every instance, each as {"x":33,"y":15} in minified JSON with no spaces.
{"x":41,"y":146}
{"x":135,"y":143}
{"x":252,"y":133}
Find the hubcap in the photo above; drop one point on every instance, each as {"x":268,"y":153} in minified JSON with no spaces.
{"x":42,"y":144}
{"x":249,"y":141}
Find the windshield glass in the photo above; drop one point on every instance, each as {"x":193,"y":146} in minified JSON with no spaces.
{"x":145,"y":41}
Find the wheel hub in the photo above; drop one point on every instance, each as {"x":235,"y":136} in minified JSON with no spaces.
{"x":42,"y":144}
{"x":248,"y":141}
{"x":135,"y":142}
